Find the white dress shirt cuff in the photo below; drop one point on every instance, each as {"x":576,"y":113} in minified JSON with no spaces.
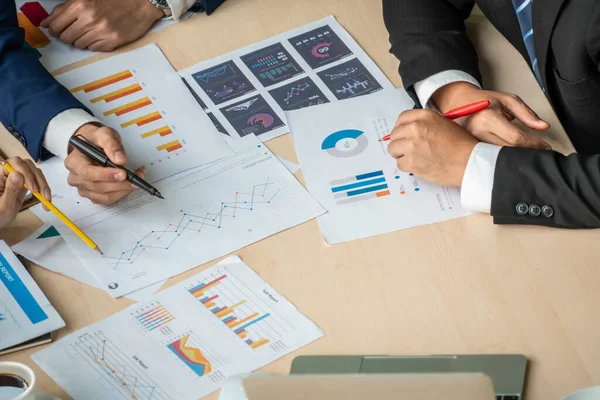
{"x":478,"y":181}
{"x":180,"y":7}
{"x":428,"y":86}
{"x":62,"y":127}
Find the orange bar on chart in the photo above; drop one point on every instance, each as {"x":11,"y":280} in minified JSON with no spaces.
{"x":259,"y":343}
{"x":384,"y":193}
{"x":124,"y":109}
{"x":33,"y":34}
{"x":164,"y":131}
{"x":241,"y":321}
{"x":117,"y":94}
{"x":166,"y":146}
{"x":173,"y":148}
{"x":143,"y":120}
{"x":100,"y":83}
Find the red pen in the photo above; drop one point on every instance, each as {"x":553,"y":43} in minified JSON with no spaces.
{"x":459,"y":112}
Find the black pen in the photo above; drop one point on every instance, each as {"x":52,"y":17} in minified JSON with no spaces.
{"x":98,"y":155}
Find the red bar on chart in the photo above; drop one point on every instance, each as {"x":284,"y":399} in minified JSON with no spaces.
{"x":34,"y":12}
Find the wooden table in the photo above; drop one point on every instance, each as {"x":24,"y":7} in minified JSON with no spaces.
{"x":463,"y":286}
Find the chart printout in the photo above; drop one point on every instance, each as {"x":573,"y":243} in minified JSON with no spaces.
{"x":140,"y":95}
{"x":25,"y":313}
{"x":183,"y":342}
{"x":54,"y":54}
{"x":248,"y":90}
{"x":350,"y":172}
{"x":207,"y":213}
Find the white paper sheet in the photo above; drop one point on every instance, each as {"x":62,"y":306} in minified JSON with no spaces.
{"x":53,"y":53}
{"x":246,"y":91}
{"x":141,"y":96}
{"x":350,"y":173}
{"x":291,"y":166}
{"x":25,"y":313}
{"x":207,"y":213}
{"x":184,"y":342}
{"x":46,"y":248}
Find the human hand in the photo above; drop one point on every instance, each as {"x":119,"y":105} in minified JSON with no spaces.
{"x":101,"y":25}
{"x":431,"y":147}
{"x":12,"y":191}
{"x":99,"y":184}
{"x":493,"y":125}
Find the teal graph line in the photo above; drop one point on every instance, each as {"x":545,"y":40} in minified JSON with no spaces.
{"x":190,"y":223}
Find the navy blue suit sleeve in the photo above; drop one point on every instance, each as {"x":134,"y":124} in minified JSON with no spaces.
{"x":29,"y":96}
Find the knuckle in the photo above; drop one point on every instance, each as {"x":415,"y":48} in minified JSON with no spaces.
{"x":71,"y":180}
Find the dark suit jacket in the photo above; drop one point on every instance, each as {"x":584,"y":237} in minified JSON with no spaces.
{"x":428,"y":36}
{"x":29,"y":96}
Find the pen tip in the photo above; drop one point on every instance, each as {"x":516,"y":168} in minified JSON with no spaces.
{"x":160,"y":196}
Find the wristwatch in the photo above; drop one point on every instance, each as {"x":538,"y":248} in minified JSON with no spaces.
{"x":163,"y":5}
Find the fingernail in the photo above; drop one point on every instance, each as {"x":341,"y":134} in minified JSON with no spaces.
{"x":47,"y":194}
{"x":133,"y":186}
{"x":143,"y":172}
{"x":120,"y":176}
{"x":16,"y":179}
{"x":119,"y":156}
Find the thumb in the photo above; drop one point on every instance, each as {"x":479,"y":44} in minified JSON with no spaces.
{"x":13,"y":191}
{"x":525,"y":114}
{"x":110,"y":142}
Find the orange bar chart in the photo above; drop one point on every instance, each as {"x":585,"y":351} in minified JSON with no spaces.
{"x":164,"y":131}
{"x":124,"y":109}
{"x":259,"y":343}
{"x":171,"y":146}
{"x":117,"y":94}
{"x":143,"y":120}
{"x":33,"y":34}
{"x":100,"y":83}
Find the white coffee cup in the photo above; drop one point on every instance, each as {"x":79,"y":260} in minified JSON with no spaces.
{"x":23,"y":372}
{"x":26,"y":374}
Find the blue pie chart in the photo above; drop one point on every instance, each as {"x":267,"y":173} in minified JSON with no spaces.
{"x":345,"y":143}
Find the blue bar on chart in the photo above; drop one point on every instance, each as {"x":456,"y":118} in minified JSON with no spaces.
{"x":16,"y":287}
{"x":371,"y":185}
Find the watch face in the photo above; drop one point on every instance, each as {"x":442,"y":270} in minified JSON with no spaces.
{"x":162,"y":3}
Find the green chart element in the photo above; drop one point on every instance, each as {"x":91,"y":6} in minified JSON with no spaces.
{"x":49,"y":233}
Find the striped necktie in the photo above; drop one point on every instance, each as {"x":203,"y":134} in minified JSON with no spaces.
{"x":524,"y":14}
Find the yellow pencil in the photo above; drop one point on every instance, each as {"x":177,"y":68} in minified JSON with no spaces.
{"x":58,"y":213}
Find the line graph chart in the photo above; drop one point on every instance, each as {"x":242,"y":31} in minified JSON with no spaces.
{"x":207,"y":76}
{"x":299,"y":94}
{"x":122,"y":374}
{"x":190,"y":223}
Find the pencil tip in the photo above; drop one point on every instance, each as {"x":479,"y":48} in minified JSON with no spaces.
{"x":99,"y":251}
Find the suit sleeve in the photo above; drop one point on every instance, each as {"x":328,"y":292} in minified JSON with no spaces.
{"x":429,"y":36}
{"x":29,"y":96}
{"x":568,"y":185}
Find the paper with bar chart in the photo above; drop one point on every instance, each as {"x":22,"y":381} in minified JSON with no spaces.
{"x":208,"y":213}
{"x":140,"y":95}
{"x":350,"y":173}
{"x":25,"y":313}
{"x":183,"y":342}
{"x":248,"y":90}
{"x":52,"y":52}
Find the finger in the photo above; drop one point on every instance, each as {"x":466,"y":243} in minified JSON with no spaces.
{"x":104,"y":198}
{"x":80,"y":166}
{"x":42,"y":183}
{"x":521,"y":111}
{"x":110,"y":141}
{"x":141,"y":172}
{"x":99,"y":187}
{"x":398,"y":148}
{"x":491,"y":138}
{"x":86,"y":40}
{"x":22,"y":167}
{"x":14,"y":193}
{"x":104,"y":45}
{"x":73,"y":32}
{"x":513,"y":135}
{"x":61,"y":19}
{"x":59,"y":9}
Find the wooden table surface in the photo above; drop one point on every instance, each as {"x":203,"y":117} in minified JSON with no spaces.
{"x":462,"y":286}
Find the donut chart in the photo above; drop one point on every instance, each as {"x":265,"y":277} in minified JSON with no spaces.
{"x":345,"y":143}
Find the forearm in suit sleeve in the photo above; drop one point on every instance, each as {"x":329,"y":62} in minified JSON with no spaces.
{"x":570,"y":185}
{"x":429,"y":36}
{"x":29,"y":96}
